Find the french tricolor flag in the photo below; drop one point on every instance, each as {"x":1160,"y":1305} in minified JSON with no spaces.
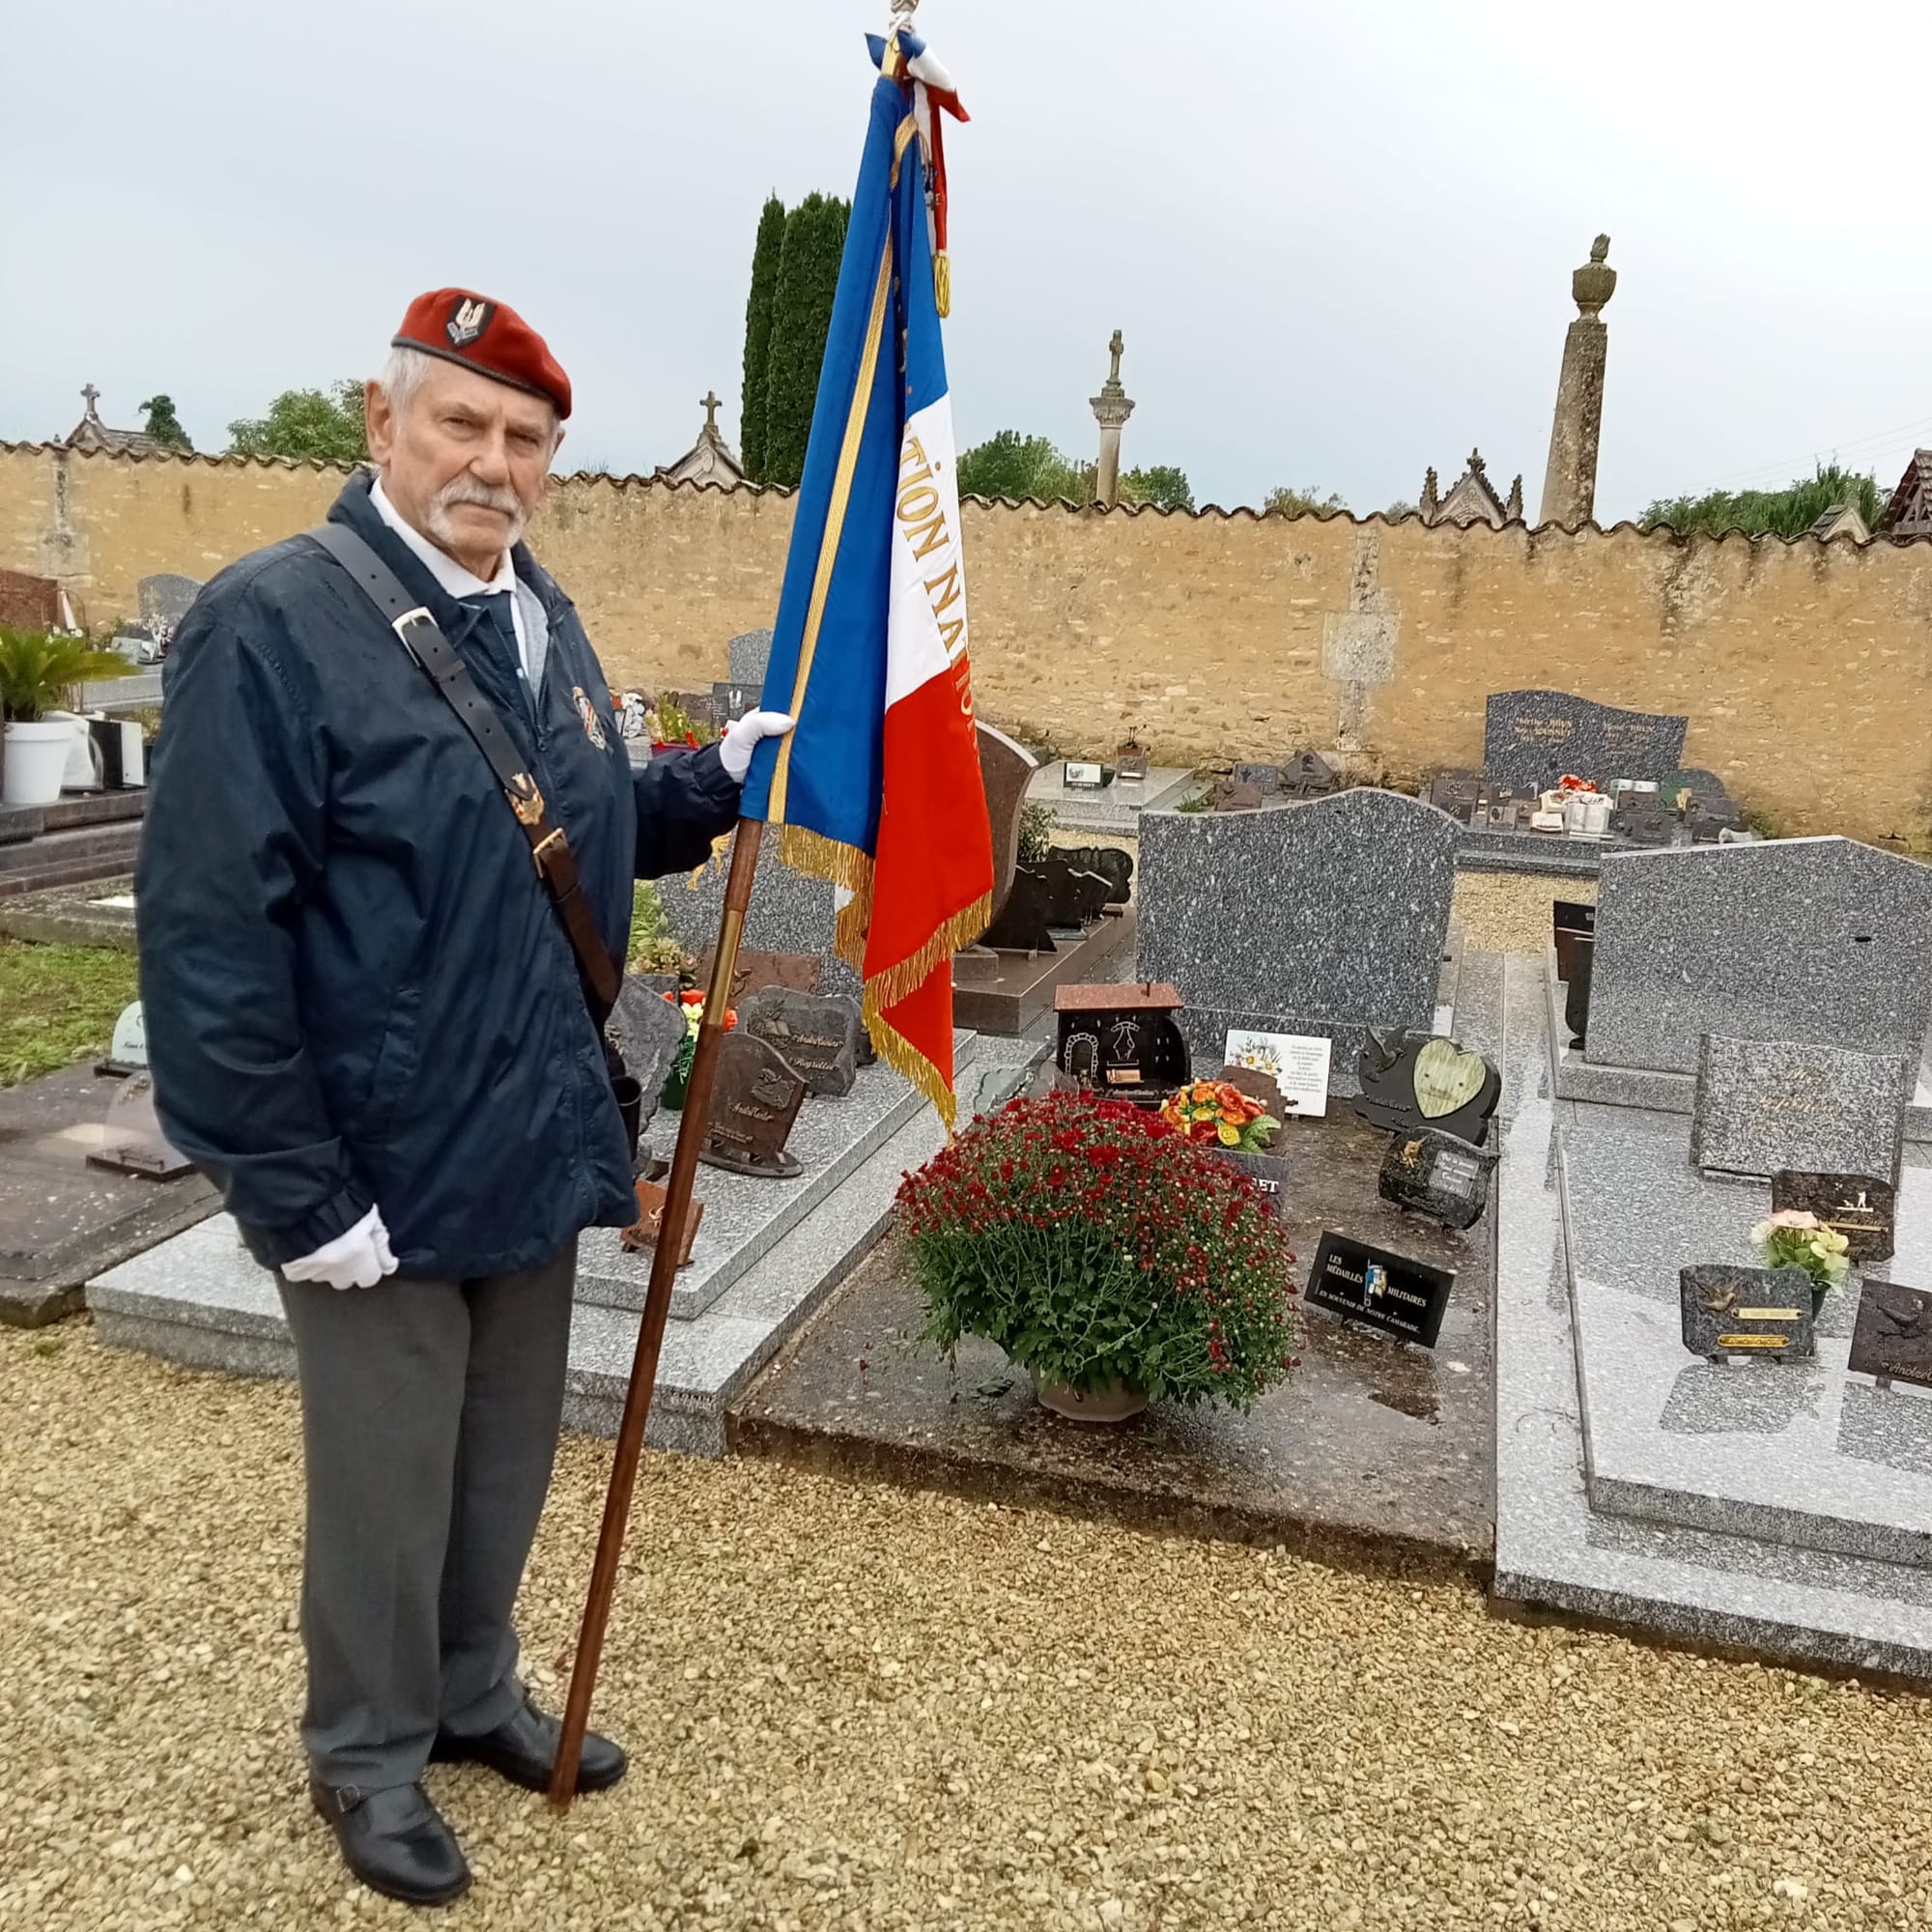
{"x":878,"y":786}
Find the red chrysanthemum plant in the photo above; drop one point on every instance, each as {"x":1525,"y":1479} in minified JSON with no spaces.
{"x":1100,"y":1250}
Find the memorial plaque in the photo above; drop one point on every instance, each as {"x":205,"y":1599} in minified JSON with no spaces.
{"x":1536,"y":737}
{"x":1074,"y":898}
{"x":1297,"y":1062}
{"x":131,"y":1140}
{"x":1122,"y":1041}
{"x":166,"y":599}
{"x":1893,"y":1339}
{"x":1410,"y":1081}
{"x":1266,"y":779}
{"x":1309,"y":775}
{"x":754,"y":1104}
{"x":1130,"y":764}
{"x":1457,"y":792}
{"x":730,"y":701}
{"x":1751,"y":1312}
{"x":1112,"y":864}
{"x":1389,"y":1291}
{"x":754,"y":971}
{"x":129,"y":1051}
{"x":649,"y":1032}
{"x":1230,"y":795}
{"x":640,"y":1238}
{"x":1079,"y":776}
{"x":1761,"y":1106}
{"x":1438,"y":1174}
{"x":1022,"y":924}
{"x":817,"y":1033}
{"x":1856,"y":1206}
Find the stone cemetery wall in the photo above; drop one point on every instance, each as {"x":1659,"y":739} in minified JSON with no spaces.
{"x":1801,"y":666}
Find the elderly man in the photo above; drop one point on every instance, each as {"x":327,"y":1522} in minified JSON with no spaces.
{"x":376,"y":1025}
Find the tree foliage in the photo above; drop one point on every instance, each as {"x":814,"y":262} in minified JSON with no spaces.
{"x":1286,"y":502}
{"x":308,"y":426}
{"x":814,"y":240}
{"x":759,"y":310}
{"x":1786,"y":513}
{"x":1018,"y":466}
{"x":1162,"y":485}
{"x":158,"y":418}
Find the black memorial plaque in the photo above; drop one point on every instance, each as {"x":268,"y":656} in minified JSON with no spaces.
{"x":1893,"y":1339}
{"x":1075,"y":897}
{"x":1266,"y":779}
{"x":753,"y":1103}
{"x":1130,"y":764}
{"x":753,"y":970}
{"x":1860,"y":1208}
{"x":1536,"y":737}
{"x":1401,"y":1297}
{"x":1309,"y":775}
{"x":1232,"y":795}
{"x":1438,"y":1174}
{"x":1022,"y":924}
{"x":1112,"y":864}
{"x":1411,"y":1080}
{"x":1458,"y":792}
{"x":730,"y":701}
{"x":1746,"y":1311}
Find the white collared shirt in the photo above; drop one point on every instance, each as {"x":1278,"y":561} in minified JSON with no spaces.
{"x":526,"y":613}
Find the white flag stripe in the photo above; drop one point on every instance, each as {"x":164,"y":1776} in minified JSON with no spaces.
{"x":925,"y":630}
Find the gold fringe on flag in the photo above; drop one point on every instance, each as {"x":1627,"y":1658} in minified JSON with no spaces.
{"x":913,"y":1068}
{"x":898,"y":983}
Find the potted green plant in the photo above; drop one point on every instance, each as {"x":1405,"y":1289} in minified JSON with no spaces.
{"x":1116,"y":1262}
{"x":39,"y":673}
{"x":1793,"y":1239}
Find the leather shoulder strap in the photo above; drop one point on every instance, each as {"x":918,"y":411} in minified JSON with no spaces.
{"x":422,"y":638}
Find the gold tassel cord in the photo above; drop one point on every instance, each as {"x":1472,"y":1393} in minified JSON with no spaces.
{"x":942,"y":284}
{"x":913,"y":1066}
{"x":887,"y":988}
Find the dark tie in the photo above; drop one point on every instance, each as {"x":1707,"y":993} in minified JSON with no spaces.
{"x":496,"y":637}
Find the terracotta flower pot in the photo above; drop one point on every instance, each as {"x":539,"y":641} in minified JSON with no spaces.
{"x":1116,"y":1403}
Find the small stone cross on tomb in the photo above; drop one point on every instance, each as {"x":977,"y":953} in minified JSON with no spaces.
{"x":710,"y":401}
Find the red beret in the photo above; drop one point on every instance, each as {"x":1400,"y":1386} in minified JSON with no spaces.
{"x":488,"y":336}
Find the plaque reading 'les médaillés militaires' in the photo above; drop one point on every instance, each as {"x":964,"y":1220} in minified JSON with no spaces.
{"x":1388,"y":1291}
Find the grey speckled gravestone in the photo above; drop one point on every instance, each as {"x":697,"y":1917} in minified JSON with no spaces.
{"x":1534,"y":737}
{"x":649,"y":1032}
{"x":1763,"y":1105}
{"x":166,"y":597}
{"x":750,"y":654}
{"x":1794,"y":939}
{"x":789,"y":912}
{"x":1320,"y":918}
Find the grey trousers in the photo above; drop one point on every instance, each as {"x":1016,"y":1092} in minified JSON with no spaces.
{"x":430,"y":1419}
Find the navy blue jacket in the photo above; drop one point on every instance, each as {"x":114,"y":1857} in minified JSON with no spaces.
{"x":356,"y":988}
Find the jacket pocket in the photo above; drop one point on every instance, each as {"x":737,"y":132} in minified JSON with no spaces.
{"x":397,"y":1060}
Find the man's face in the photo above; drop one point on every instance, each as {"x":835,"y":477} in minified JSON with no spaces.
{"x":466,"y":461}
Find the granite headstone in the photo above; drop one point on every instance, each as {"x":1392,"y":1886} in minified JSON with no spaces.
{"x":649,"y":1030}
{"x":1794,"y":939}
{"x":1763,"y":1106}
{"x":789,"y":912}
{"x":1324,"y":918}
{"x":1005,"y":770}
{"x":750,"y":654}
{"x":1535,"y":737}
{"x":166,"y":598}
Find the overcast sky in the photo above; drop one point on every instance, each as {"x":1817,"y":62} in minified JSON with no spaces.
{"x":1338,"y":239}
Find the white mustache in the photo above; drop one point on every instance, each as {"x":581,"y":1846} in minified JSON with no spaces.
{"x":498,"y":497}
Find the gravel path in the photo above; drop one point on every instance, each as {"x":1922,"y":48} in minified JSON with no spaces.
{"x":1509,"y":912}
{"x":856,"y":1707}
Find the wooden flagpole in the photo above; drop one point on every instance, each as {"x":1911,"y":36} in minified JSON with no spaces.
{"x":657,"y":1312}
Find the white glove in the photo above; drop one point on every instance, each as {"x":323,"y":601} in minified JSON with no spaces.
{"x":358,"y":1259}
{"x":735,"y":748}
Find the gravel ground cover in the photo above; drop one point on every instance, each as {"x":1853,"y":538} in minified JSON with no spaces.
{"x":859,"y":1707}
{"x":1509,"y":912}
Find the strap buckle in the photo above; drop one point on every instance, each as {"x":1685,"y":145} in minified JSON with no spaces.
{"x":402,"y":625}
{"x":554,"y":836}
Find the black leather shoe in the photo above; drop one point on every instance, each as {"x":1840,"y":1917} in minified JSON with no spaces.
{"x":523,"y":1749}
{"x":395,"y":1841}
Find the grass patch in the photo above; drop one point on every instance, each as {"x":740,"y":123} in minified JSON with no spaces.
{"x":58,"y":1004}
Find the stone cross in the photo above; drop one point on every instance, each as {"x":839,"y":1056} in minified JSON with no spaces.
{"x":1117,"y":345}
{"x":1570,"y":482}
{"x":90,"y":395}
{"x":709,"y":399}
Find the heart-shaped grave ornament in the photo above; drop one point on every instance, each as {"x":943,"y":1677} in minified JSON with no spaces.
{"x":1447,"y":1078}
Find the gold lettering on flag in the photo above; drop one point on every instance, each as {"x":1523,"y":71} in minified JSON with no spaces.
{"x":922,"y":520}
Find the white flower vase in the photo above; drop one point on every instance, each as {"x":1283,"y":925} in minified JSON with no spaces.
{"x":35,"y":759}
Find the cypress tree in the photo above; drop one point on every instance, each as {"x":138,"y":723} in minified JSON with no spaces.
{"x":814,"y":240}
{"x":758,"y":311}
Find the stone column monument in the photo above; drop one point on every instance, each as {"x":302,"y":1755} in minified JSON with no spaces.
{"x":1570,"y":483}
{"x":1112,"y":407}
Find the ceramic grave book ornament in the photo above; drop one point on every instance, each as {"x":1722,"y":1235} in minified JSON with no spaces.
{"x":1411,"y":1081}
{"x":753,"y":1105}
{"x":1754,"y":1312}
